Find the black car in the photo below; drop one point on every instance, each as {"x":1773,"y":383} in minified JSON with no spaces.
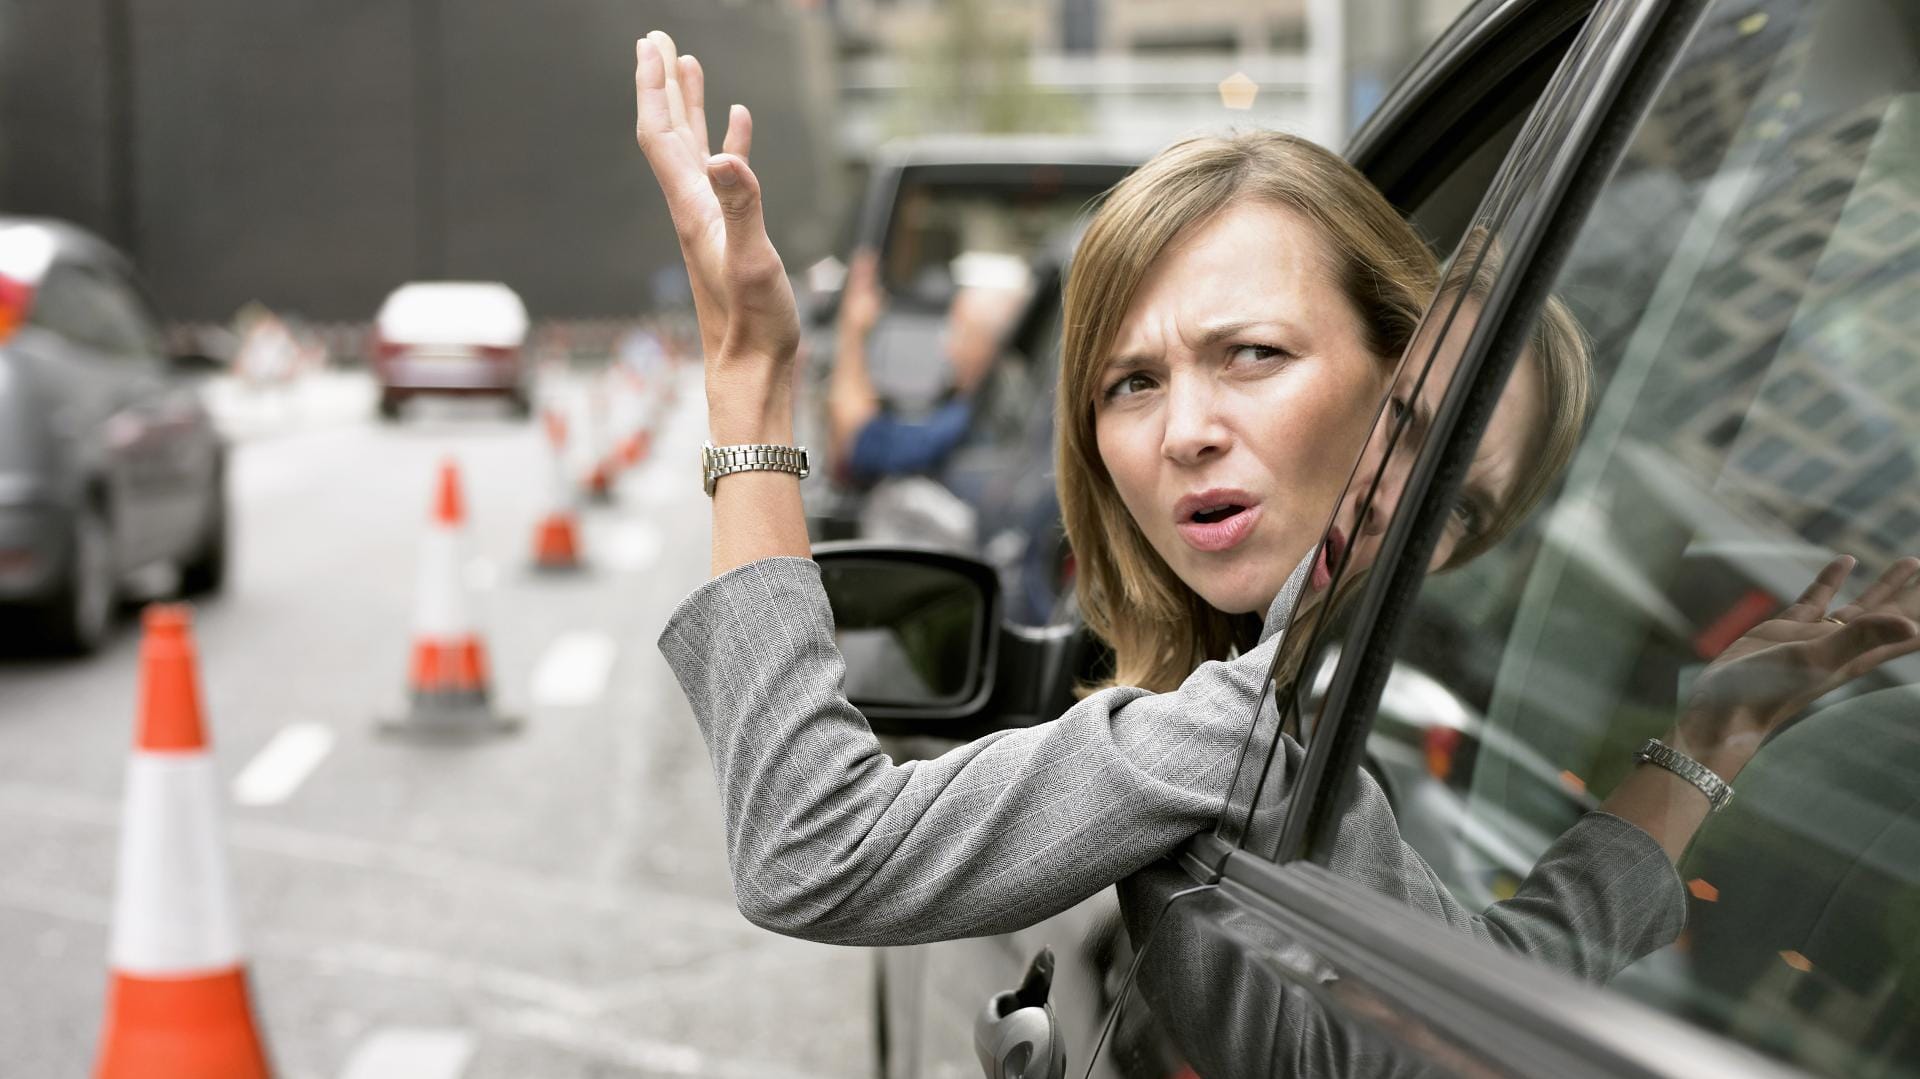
{"x":927,"y":202}
{"x":109,"y":463}
{"x":1727,"y":195}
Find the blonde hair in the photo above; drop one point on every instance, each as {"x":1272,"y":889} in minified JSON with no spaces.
{"x":1158,"y":627}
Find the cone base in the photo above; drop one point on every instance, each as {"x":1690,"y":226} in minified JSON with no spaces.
{"x":181,"y":1028}
{"x":556,"y":544}
{"x":449,"y":715}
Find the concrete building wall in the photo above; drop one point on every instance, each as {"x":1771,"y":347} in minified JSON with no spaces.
{"x":311,"y":154}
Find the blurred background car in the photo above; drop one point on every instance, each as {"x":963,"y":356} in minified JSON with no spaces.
{"x":452,"y":337}
{"x":928,"y":203}
{"x":109,"y":464}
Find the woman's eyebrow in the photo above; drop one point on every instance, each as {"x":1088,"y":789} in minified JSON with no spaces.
{"x":1212,"y":334}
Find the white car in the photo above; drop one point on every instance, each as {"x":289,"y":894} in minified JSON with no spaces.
{"x":452,"y":337}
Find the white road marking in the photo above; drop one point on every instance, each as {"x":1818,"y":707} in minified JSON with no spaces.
{"x":632,"y":547}
{"x":410,"y":1053}
{"x":283,"y":764}
{"x":573,"y":670}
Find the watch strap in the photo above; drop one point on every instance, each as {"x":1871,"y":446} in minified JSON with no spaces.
{"x":718,"y":461}
{"x":1658,"y":753}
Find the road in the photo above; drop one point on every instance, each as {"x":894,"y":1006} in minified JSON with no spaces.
{"x":553,"y":903}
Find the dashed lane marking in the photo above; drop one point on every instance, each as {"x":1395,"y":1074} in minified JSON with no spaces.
{"x":283,"y":764}
{"x":573,"y":670}
{"x":410,"y":1053}
{"x":632,"y":547}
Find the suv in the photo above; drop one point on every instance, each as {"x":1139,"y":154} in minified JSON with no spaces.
{"x":452,"y":337}
{"x":1723,"y":192}
{"x":927,"y":202}
{"x":109,"y":462}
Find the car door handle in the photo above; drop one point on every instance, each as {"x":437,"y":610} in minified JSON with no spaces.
{"x":1016,"y":1035}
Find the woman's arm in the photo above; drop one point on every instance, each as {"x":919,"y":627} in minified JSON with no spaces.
{"x":1765,"y":679}
{"x":749,"y":327}
{"x":830,"y":840}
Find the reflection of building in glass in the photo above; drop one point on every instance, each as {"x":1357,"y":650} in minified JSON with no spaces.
{"x":1800,"y":389}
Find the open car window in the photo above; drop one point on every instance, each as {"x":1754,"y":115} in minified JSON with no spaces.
{"x":1745,"y":287}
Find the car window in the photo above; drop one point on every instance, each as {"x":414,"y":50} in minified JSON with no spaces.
{"x":1745,"y":281}
{"x":73,"y":303}
{"x":1433,"y":202}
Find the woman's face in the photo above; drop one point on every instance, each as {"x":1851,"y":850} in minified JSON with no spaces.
{"x":1236,"y":398}
{"x":1498,"y":465}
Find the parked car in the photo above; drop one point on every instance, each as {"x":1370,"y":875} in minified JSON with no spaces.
{"x":109,"y":463}
{"x":929,"y":201}
{"x":1723,"y":192}
{"x":452,"y":337}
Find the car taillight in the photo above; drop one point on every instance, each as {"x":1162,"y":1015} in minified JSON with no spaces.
{"x":16,"y":297}
{"x":1440,"y":744}
{"x":499,"y":354}
{"x":383,"y":349}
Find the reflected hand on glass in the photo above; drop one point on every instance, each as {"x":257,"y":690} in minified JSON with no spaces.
{"x":1779,"y":667}
{"x":749,"y":326}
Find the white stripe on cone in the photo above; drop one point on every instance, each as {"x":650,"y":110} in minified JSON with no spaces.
{"x":440,"y":606}
{"x":172,"y":913}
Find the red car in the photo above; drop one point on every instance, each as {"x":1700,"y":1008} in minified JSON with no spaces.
{"x":452,"y":337}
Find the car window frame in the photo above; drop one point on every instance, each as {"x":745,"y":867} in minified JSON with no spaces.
{"x":1429,"y":104}
{"x":1517,"y":1015}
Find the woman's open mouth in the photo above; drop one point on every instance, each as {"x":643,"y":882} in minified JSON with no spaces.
{"x":1215,"y":521}
{"x":1327,"y":559}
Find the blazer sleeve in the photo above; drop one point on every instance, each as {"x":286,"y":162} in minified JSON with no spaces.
{"x":831,"y":840}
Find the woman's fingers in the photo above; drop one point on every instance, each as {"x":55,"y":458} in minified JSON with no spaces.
{"x":1826,"y":583}
{"x":1887,"y":587}
{"x":654,"y":120}
{"x":1861,"y":646}
{"x":739,"y":140}
{"x":670,"y":64}
{"x":693,"y":93}
{"x":738,"y":190}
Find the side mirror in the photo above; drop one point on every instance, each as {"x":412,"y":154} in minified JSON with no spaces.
{"x":925,"y":648}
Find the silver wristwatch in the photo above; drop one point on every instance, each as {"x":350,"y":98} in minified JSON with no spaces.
{"x":718,"y":461}
{"x":1718,"y":792}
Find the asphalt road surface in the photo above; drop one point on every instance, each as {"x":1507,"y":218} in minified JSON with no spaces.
{"x":553,"y":903}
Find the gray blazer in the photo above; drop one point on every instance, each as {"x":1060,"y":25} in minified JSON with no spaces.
{"x":832,"y":841}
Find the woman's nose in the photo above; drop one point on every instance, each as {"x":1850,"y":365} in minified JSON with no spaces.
{"x":1194,"y":427}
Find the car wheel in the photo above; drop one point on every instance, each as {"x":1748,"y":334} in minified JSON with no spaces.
{"x":205,"y":572}
{"x":389,"y":407}
{"x":77,"y":618}
{"x":521,"y":406}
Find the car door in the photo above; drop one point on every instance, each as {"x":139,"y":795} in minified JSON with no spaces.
{"x":1724,"y":200}
{"x":111,"y":386}
{"x":1461,"y":112}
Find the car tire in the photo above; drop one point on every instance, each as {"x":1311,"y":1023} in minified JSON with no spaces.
{"x":205,"y":572}
{"x":77,"y":619}
{"x":520,"y":406}
{"x":389,"y":407}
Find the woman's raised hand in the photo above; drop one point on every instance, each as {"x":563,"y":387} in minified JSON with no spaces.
{"x":749,"y":326}
{"x":1784,"y":664}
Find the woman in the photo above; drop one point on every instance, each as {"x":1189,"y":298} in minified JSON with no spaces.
{"x":1238,"y":359}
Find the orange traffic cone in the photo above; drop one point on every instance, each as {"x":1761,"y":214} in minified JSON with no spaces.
{"x":556,"y":539}
{"x":448,"y":678}
{"x":178,"y":1004}
{"x":599,"y":482}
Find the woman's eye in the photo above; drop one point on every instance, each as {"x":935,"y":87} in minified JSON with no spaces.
{"x":1257,"y":353}
{"x":1466,"y":513}
{"x":1127,"y":384}
{"x":1398,"y":406}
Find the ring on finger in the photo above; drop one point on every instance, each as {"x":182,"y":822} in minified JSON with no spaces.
{"x":1835,"y":621}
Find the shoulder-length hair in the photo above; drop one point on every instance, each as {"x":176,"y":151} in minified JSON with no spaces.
{"x":1158,"y":627}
